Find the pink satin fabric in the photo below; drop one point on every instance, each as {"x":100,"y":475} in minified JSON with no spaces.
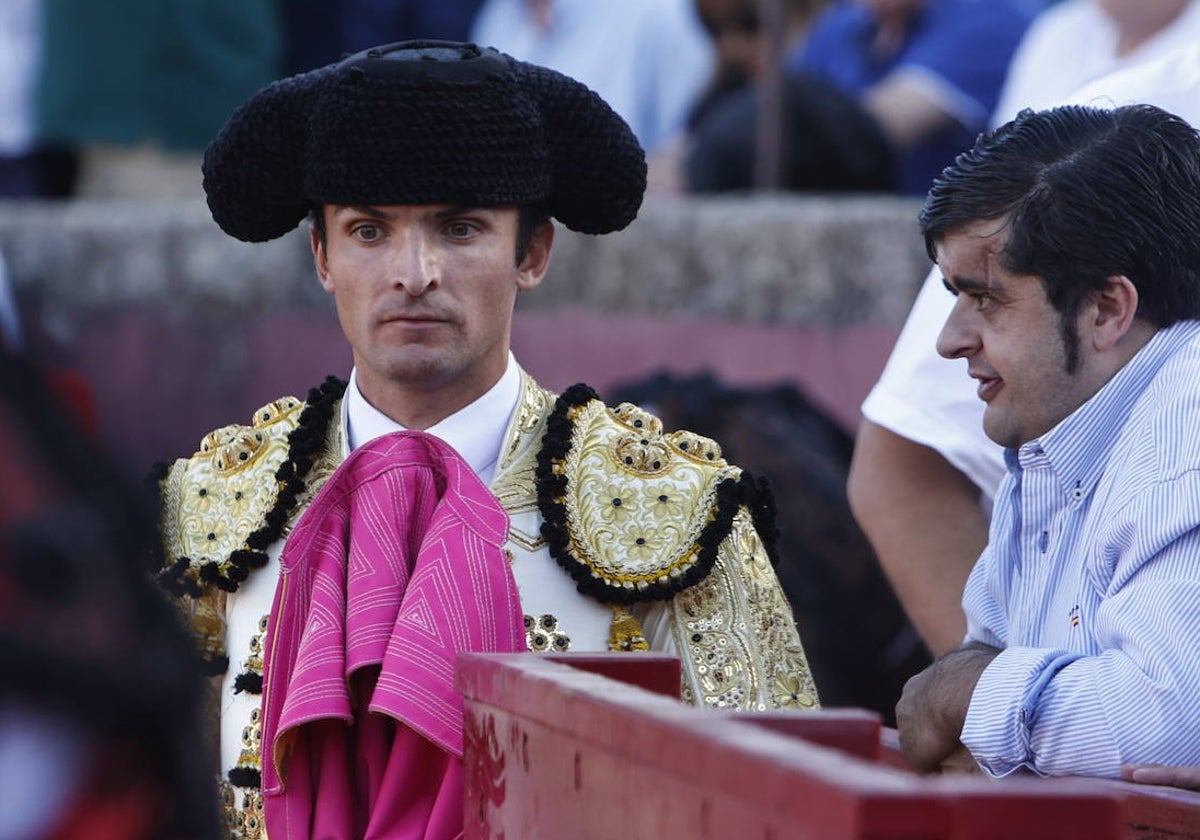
{"x":396,"y":567}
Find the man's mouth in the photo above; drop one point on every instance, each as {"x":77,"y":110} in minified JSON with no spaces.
{"x":988,"y":386}
{"x":412,"y":318}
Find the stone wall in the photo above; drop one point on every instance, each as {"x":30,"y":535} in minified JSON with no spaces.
{"x":180,"y":328}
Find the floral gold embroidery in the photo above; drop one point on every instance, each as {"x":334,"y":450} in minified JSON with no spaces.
{"x":631,"y":515}
{"x":514,"y":484}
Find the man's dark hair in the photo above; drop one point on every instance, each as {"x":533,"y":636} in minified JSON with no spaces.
{"x":1086,"y":194}
{"x":529,"y":218}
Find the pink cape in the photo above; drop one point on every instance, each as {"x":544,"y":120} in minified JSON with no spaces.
{"x":396,"y":567}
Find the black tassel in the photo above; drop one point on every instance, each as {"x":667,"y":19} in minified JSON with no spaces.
{"x":245,"y":777}
{"x":249,"y":682}
{"x":759,"y":499}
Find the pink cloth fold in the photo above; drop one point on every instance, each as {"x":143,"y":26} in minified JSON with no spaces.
{"x":396,"y":567}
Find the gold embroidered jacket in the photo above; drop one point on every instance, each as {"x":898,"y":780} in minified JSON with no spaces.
{"x":657,"y":526}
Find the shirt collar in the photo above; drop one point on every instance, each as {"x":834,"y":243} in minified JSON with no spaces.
{"x":1077,"y":448}
{"x":475,"y":431}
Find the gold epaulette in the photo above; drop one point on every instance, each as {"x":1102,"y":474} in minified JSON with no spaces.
{"x":214,"y":500}
{"x":633,"y":513}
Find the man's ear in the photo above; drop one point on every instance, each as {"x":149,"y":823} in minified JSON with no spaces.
{"x":1114,"y":308}
{"x":320,"y":259}
{"x":532,"y":268}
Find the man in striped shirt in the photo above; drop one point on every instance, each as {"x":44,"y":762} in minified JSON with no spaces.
{"x":1071,"y":241}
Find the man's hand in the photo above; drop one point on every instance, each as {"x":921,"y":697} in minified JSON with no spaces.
{"x":1154,"y":774}
{"x":960,"y":762}
{"x":933,"y":706}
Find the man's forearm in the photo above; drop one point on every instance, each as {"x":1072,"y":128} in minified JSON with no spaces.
{"x":922,"y":517}
{"x":934,"y":705}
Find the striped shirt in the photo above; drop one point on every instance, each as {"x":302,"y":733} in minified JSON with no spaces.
{"x":1091,"y":581}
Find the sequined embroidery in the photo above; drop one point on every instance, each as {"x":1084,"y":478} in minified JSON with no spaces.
{"x":514,"y":484}
{"x":242,"y":809}
{"x":542,"y":633}
{"x":736,"y":635}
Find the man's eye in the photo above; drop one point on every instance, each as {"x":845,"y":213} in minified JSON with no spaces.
{"x":366,"y":232}
{"x":981,"y":301}
{"x":460,"y":230}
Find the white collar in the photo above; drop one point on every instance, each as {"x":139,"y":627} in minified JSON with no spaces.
{"x":475,"y":431}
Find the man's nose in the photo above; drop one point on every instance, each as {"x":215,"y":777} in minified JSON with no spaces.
{"x":958,"y":338}
{"x":416,"y":268}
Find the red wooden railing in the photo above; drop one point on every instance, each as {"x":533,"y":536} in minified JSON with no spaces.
{"x":557,"y":749}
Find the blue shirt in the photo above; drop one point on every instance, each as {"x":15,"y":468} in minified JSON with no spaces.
{"x":961,"y":47}
{"x":1091,"y":581}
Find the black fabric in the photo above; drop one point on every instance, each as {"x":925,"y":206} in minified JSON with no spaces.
{"x":860,"y":644}
{"x":829,"y":143}
{"x":424,"y":122}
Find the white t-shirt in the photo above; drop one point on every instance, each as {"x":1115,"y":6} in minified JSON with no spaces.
{"x":1073,"y":44}
{"x":931,"y":400}
{"x":648,"y":59}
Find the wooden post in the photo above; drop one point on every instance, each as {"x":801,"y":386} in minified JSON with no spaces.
{"x":768,"y":159}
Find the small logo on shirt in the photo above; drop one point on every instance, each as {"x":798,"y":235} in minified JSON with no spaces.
{"x":1074,"y":616}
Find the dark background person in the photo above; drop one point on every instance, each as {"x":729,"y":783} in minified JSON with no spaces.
{"x":735,"y":27}
{"x":316,"y":32}
{"x":828,"y":142}
{"x":100,"y":729}
{"x":877,"y":94}
{"x":928,"y":71}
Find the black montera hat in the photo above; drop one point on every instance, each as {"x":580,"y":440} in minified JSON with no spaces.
{"x":424,"y":122}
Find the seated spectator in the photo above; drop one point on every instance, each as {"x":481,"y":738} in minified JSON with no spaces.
{"x":1070,"y":241}
{"x":928,"y":71}
{"x":827,"y":141}
{"x":878,"y":95}
{"x":29,"y":168}
{"x":736,"y":30}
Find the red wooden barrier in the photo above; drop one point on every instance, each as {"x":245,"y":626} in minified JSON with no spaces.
{"x":557,"y":752}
